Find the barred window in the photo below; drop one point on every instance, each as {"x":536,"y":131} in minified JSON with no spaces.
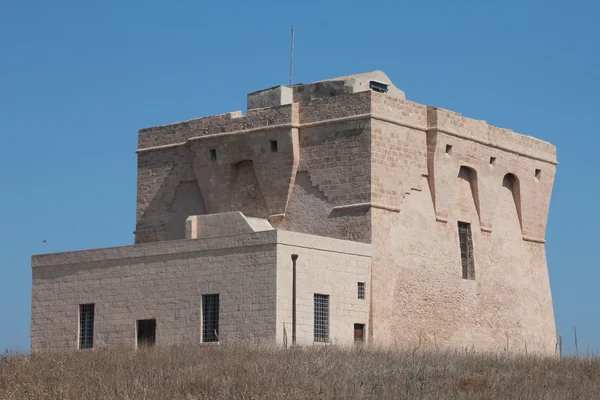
{"x":210,"y":318}
{"x":321,"y":318}
{"x":361,"y":290}
{"x":86,"y":326}
{"x":466,"y":250}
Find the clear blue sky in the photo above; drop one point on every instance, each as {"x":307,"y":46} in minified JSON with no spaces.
{"x":79,"y":78}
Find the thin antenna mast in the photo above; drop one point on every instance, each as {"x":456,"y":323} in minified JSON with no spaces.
{"x":292,"y":57}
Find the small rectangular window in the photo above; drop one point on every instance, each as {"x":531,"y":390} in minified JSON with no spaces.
{"x":466,"y":250}
{"x":274,"y":146}
{"x":213,"y":155}
{"x":378,"y":86}
{"x":321,"y":328}
{"x":210,"y":318}
{"x":361,"y":290}
{"x":146,"y":332}
{"x":86,"y":326}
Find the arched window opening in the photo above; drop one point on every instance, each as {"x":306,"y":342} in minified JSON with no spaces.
{"x":511,"y":182}
{"x":470,"y":175}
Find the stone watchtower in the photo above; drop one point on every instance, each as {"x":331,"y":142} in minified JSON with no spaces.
{"x":439,"y":219}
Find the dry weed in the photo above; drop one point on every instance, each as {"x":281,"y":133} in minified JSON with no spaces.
{"x":262,"y":372}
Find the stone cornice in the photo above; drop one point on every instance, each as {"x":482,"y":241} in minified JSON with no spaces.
{"x":340,"y":120}
{"x":458,"y":135}
{"x":365,"y":205}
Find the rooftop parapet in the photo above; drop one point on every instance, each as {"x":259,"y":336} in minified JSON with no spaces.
{"x":272,"y":109}
{"x":180,"y":132}
{"x":454,"y":124}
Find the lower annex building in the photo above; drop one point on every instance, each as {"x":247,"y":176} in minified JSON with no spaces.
{"x":406,"y":222}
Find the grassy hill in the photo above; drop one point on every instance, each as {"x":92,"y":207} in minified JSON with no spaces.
{"x":319,"y":372}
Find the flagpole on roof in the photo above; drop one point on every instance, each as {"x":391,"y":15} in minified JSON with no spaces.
{"x":292,"y":57}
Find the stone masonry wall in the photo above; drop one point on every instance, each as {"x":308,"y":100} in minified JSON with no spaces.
{"x":372,"y":168}
{"x":334,"y":171}
{"x":178,"y":133}
{"x":332,"y":267}
{"x":160,"y":173}
{"x":171,"y":154}
{"x":328,"y":139}
{"x":399,"y":152}
{"x":165,"y":281}
{"x":333,"y":182}
{"x":417,"y":284}
{"x":493,"y":153}
{"x":273,"y":170}
{"x":418,"y":289}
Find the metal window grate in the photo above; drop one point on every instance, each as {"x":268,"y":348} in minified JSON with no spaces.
{"x":86,"y":326}
{"x":321,"y":318}
{"x":361,"y":290}
{"x":210,"y":318}
{"x":378,"y":86}
{"x":466,"y":250}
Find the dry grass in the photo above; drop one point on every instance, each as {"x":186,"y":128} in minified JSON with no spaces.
{"x":261,"y":372}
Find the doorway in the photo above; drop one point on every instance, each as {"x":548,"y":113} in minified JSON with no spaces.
{"x":146,"y":332}
{"x":359,"y":333}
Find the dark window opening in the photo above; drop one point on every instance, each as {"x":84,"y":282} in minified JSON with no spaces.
{"x":86,"y":326}
{"x":359,"y":333}
{"x":378,"y":86}
{"x":492,"y":161}
{"x":210,"y":318}
{"x":213,"y":155}
{"x":361,"y":290}
{"x":509,"y":181}
{"x":146,"y":332}
{"x":466,"y":250}
{"x":274,"y":146}
{"x":538,"y":174}
{"x":321,"y":328}
{"x":449,"y":149}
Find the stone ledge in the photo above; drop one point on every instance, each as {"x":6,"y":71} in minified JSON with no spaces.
{"x":153,"y":249}
{"x":494,"y":145}
{"x":533,"y":239}
{"x":352,"y":118}
{"x":365,"y":206}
